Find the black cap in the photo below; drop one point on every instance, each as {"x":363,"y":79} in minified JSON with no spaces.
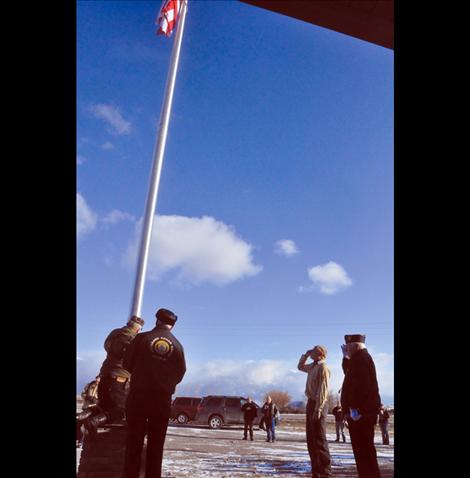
{"x":166,"y":316}
{"x":354,"y":338}
{"x":135,"y":319}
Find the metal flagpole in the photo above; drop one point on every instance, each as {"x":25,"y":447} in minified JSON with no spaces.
{"x":157,"y":166}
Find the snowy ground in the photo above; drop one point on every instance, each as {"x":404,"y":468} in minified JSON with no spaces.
{"x":196,"y":451}
{"x":200,"y":452}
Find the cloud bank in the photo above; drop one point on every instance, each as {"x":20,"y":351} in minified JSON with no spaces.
{"x":249,"y":377}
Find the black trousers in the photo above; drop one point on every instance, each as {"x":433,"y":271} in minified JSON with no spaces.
{"x":317,"y":443}
{"x":362,"y":440}
{"x":112,"y":397}
{"x":248,"y":426}
{"x":147,"y":412}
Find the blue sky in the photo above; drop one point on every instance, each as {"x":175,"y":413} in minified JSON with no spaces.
{"x":274,"y":227}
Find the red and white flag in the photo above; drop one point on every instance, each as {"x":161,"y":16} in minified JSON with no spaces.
{"x":168,"y":16}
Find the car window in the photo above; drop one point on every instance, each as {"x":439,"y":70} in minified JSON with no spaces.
{"x":183,"y":401}
{"x":232,"y":402}
{"x":214,"y":402}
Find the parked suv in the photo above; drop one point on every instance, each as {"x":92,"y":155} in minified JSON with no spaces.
{"x":183,"y":409}
{"x":219,"y":410}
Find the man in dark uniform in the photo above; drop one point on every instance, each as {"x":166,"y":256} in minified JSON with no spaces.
{"x":360,"y":400}
{"x":250,"y":412}
{"x":114,"y":382}
{"x":339,"y":422}
{"x":157,"y":364}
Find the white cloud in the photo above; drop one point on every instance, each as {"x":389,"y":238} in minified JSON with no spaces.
{"x":198,"y":249}
{"x":107,"y":145}
{"x":86,"y":218}
{"x":80,"y":159}
{"x":330,"y":278}
{"x":116,"y":216}
{"x":113,"y":117}
{"x":286,"y":247}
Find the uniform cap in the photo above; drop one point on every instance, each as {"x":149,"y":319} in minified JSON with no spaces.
{"x":354,"y":338}
{"x":166,"y":316}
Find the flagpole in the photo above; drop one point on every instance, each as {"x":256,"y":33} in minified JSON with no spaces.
{"x":159,"y":151}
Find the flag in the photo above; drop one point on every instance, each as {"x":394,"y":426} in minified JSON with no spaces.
{"x":168,"y":16}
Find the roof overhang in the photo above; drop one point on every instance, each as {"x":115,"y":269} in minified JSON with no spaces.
{"x":369,"y":20}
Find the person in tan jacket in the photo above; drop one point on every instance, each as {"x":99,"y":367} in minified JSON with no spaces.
{"x":316,"y":391}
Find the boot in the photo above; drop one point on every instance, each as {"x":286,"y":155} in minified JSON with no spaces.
{"x":92,"y":424}
{"x":244,"y":438}
{"x":344,"y":438}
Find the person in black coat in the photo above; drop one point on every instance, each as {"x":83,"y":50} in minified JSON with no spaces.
{"x":156,"y":362}
{"x":360,"y":401}
{"x":383,"y":424}
{"x":339,"y":422}
{"x":250,"y":412}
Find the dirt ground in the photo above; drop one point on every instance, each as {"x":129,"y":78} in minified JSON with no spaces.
{"x":196,"y":451}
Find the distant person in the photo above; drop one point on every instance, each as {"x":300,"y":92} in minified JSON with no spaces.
{"x":157,"y":364}
{"x":250,"y":412}
{"x":360,"y":400}
{"x":270,"y":412}
{"x":383,"y":418}
{"x":339,"y":422}
{"x":114,"y":379}
{"x":316,"y":391}
{"x":90,"y":393}
{"x":89,"y":407}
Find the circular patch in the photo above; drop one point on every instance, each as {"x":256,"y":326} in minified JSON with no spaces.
{"x":162,"y":347}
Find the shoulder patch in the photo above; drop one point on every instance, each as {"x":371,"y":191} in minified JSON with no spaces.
{"x":162,"y":348}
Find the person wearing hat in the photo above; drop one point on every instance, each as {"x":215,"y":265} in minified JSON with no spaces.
{"x":316,"y":391}
{"x":113,"y":386}
{"x":360,"y":400}
{"x":156,"y":362}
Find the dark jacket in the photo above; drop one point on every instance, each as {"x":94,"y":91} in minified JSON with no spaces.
{"x":249,"y":411}
{"x":360,"y":389}
{"x":115,"y":345}
{"x":338,"y":413}
{"x":156,"y":361}
{"x":383,"y":417}
{"x":269,"y":410}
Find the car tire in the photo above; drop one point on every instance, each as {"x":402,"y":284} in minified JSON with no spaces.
{"x":182,"y":418}
{"x":215,"y":422}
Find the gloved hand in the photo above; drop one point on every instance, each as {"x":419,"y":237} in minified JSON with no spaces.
{"x":355,"y":415}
